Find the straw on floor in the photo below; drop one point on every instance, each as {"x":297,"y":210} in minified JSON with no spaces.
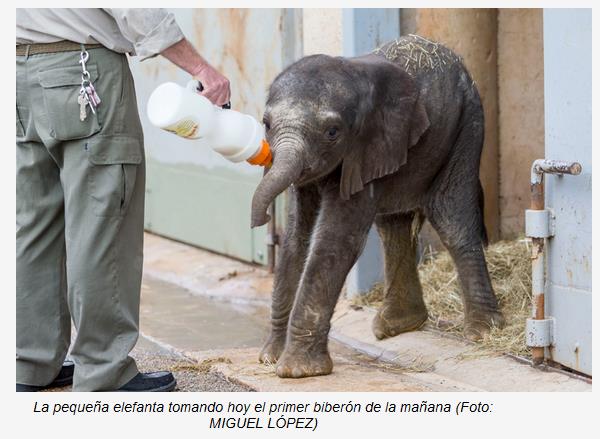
{"x":510,"y":269}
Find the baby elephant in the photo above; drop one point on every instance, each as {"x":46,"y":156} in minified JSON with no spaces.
{"x":391,"y":137}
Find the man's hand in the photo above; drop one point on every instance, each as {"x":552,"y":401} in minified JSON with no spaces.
{"x":216,"y":86}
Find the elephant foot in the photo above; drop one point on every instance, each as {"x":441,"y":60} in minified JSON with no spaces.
{"x":478,"y":324}
{"x":389,"y":322}
{"x":304,"y":364}
{"x":272,"y":349}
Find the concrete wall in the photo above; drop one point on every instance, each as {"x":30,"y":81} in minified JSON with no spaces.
{"x":472,"y":34}
{"x":503,"y":49}
{"x":521,"y":110}
{"x":322,"y":31}
{"x":180,"y":170}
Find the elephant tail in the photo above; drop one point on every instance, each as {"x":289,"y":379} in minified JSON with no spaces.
{"x":484,"y":234}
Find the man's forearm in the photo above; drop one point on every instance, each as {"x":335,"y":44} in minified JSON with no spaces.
{"x":184,"y":55}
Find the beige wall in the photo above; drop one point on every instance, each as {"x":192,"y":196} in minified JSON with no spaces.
{"x":471,"y":33}
{"x":503,"y":49}
{"x":521,"y":110}
{"x":322,"y":31}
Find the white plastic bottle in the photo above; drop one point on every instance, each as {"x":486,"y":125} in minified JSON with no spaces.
{"x":181,"y":110}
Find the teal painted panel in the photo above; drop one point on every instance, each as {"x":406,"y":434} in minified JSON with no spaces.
{"x":207,"y":209}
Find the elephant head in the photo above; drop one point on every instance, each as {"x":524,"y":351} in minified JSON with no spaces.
{"x":323,"y":112}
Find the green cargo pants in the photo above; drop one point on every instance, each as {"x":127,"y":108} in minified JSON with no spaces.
{"x":80,"y":208}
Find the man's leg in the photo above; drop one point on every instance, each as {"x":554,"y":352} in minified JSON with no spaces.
{"x":104,"y":181}
{"x":43,"y":322}
{"x":43,"y":325}
{"x":104,"y":211}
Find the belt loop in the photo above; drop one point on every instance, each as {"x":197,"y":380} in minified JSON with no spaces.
{"x":27,"y":52}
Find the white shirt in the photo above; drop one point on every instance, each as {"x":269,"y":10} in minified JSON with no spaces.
{"x":139,"y":31}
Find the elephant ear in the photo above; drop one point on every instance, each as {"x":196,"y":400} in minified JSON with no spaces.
{"x":390,"y":119}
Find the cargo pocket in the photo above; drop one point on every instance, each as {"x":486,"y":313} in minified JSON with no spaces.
{"x":114,"y":163}
{"x":60,"y":90}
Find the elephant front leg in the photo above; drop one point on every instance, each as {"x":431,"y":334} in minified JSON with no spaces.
{"x":338,"y":238}
{"x":303,"y":208}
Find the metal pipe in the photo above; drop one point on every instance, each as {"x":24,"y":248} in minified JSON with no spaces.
{"x":538,"y":255}
{"x":272,"y":238}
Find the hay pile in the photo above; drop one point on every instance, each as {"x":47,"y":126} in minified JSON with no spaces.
{"x":510,"y":269}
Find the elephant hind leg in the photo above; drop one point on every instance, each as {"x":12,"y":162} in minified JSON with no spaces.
{"x":455,"y":210}
{"x":403,"y":308}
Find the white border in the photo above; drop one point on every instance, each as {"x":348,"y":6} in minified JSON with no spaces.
{"x":515,"y":414}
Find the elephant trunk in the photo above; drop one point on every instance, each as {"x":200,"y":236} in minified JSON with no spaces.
{"x":286,"y":169}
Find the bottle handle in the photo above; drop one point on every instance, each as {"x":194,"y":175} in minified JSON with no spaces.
{"x":196,"y":86}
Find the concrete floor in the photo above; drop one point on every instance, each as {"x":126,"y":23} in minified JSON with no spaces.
{"x":206,"y":316}
{"x":180,"y":329}
{"x":191,"y":322}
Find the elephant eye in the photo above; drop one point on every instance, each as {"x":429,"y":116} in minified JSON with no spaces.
{"x":332,"y":133}
{"x":266,"y":124}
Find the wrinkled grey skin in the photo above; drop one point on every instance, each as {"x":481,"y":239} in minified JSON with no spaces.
{"x":362,"y":140}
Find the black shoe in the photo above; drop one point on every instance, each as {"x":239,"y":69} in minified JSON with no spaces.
{"x":64,"y":378}
{"x":150,"y":382}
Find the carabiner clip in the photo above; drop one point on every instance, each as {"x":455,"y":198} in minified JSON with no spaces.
{"x":83,"y":57}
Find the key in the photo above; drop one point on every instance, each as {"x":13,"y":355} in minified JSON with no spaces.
{"x":90,"y":98}
{"x":83,"y":102}
{"x":93,"y":95}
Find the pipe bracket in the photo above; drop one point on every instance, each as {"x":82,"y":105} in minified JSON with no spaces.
{"x":539,"y":333}
{"x":538,"y":223}
{"x":272,"y":239}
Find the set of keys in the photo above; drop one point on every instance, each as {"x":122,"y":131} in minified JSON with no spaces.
{"x":87,"y":96}
{"x":87,"y":93}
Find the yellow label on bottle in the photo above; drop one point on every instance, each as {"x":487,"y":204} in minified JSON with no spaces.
{"x":184,"y":128}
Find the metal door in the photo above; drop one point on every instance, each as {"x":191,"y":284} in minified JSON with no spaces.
{"x":193,"y":194}
{"x":568,"y":125}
